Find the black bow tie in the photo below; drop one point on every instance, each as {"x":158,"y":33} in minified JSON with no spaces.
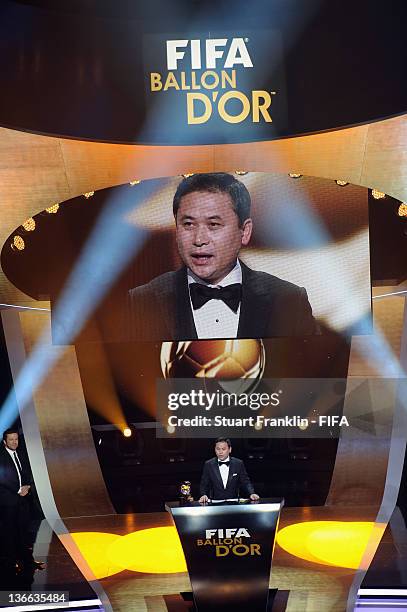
{"x":231,"y":295}
{"x":223,"y":463}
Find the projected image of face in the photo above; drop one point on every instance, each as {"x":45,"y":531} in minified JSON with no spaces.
{"x":216,"y":282}
{"x":209,"y":236}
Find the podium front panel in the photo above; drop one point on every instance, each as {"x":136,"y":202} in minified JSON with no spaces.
{"x":228,"y":549}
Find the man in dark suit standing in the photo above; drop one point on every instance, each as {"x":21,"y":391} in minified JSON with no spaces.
{"x":225,"y":477}
{"x":14,"y":505}
{"x":215,"y":295}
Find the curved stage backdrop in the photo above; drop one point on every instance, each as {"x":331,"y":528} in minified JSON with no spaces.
{"x":282,"y":129}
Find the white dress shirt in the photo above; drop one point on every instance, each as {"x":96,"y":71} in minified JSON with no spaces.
{"x":13,"y":456}
{"x":224,"y":473}
{"x":215,"y":319}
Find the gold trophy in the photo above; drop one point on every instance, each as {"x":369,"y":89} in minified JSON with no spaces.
{"x":185,"y":492}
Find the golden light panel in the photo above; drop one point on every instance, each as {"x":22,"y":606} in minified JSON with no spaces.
{"x":402,"y":211}
{"x":52,"y":209}
{"x":94,"y":546}
{"x":29,"y":225}
{"x":294,"y":175}
{"x":18,"y":243}
{"x":334,"y":543}
{"x":153,"y":551}
{"x":378,"y":195}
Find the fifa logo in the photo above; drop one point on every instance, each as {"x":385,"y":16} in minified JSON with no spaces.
{"x":208,"y":70}
{"x":234,"y":532}
{"x":230,"y":541}
{"x":237,"y":53}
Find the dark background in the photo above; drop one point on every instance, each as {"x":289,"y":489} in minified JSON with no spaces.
{"x":80,"y":64}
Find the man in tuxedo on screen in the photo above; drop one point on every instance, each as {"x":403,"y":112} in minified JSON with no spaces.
{"x":215,"y":295}
{"x":225,"y":477}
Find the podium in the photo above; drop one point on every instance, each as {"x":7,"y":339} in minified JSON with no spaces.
{"x":228,"y":549}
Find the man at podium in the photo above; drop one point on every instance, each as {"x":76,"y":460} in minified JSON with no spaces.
{"x":225,"y":477}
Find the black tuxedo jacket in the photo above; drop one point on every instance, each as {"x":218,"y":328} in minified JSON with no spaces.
{"x":270,"y":307}
{"x":9,"y":483}
{"x":238,"y":481}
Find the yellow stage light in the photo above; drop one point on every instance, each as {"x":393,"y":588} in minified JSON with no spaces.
{"x":402,"y":211}
{"x":338,"y":543}
{"x":29,"y":225}
{"x":241,"y":172}
{"x":294,"y":175}
{"x":94,"y":546}
{"x":135,"y":182}
{"x":378,"y":195}
{"x":89,"y":194}
{"x":152,"y":551}
{"x":127,"y":432}
{"x":52,"y":209}
{"x":18,"y":243}
{"x":188,"y":174}
{"x":341,"y":183}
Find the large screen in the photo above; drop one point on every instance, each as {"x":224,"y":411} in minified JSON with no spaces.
{"x":204,"y":256}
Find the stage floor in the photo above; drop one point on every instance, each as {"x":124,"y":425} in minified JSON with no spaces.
{"x":303,"y":586}
{"x":60,"y":574}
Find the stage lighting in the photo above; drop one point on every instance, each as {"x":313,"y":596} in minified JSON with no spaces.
{"x":52,"y":209}
{"x":89,"y":194}
{"x":241,"y":172}
{"x":294,"y":175}
{"x":341,"y":183}
{"x":402,"y":211}
{"x":135,"y":182}
{"x":18,"y":243}
{"x":378,"y":195}
{"x":29,"y":225}
{"x":188,"y":175}
{"x":335,"y":543}
{"x":94,"y":547}
{"x":153,"y":551}
{"x":129,"y":445}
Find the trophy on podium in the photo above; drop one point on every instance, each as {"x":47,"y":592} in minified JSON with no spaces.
{"x":185,"y":492}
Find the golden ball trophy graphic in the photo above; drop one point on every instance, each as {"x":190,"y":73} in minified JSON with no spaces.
{"x":237,"y":365}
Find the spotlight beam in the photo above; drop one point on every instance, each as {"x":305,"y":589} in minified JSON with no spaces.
{"x":110,"y":246}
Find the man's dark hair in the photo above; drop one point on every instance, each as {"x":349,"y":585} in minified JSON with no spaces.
{"x":9,"y":431}
{"x":227,"y":440}
{"x":216,"y":182}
